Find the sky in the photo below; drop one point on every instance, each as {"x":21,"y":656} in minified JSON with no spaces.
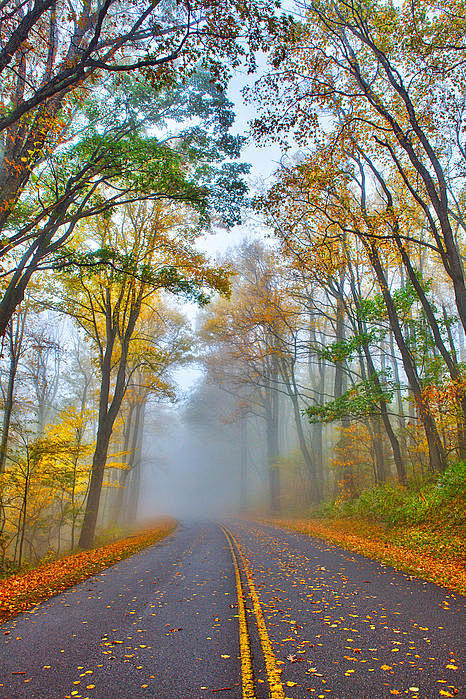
{"x":263,"y":161}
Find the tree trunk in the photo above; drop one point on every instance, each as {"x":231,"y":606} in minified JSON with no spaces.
{"x":272,"y":427}
{"x":394,"y":443}
{"x":338,"y":390}
{"x":126,"y":461}
{"x":137,"y":463}
{"x":99,"y":461}
{"x":8,"y":408}
{"x":448,"y":357}
{"x":437,"y":457}
{"x":243,"y":426}
{"x":315,"y":489}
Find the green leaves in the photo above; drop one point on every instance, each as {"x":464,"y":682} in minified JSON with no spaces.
{"x":339,"y":351}
{"x":360,"y":401}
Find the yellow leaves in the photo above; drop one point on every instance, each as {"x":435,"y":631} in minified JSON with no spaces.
{"x":452,"y":667}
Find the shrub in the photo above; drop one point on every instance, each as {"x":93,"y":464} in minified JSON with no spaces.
{"x":393,"y":504}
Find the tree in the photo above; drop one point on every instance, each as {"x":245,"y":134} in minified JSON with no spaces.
{"x":259,"y":333}
{"x":107,"y":301}
{"x":389,"y":77}
{"x":335,"y":215}
{"x":111,"y":157}
{"x":15,"y":346}
{"x":50,"y":49}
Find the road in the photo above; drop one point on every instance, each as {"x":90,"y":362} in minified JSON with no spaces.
{"x":243,"y":611}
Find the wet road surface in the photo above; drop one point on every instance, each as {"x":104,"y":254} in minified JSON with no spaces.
{"x":244,"y":611}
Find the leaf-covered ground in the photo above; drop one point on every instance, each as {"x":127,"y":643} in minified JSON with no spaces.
{"x":445,"y":567}
{"x":20,"y":592}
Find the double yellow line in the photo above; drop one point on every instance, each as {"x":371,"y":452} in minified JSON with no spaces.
{"x":273,"y":675}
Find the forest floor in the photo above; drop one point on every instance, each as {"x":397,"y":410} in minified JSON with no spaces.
{"x":431,"y":551}
{"x":25,"y":590}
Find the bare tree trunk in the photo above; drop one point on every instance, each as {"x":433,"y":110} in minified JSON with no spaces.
{"x":99,"y":461}
{"x":394,"y":443}
{"x":243,"y":426}
{"x":23,"y":515}
{"x":315,"y":489}
{"x":272,"y":427}
{"x":126,"y":460}
{"x":15,"y":341}
{"x":339,"y":387}
{"x":136,"y":470}
{"x":436,"y":453}
{"x":8,"y":408}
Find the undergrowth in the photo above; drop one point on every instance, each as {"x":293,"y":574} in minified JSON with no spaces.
{"x":439,"y":500}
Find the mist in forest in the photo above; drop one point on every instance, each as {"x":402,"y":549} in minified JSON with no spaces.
{"x":192,"y":460}
{"x":330,"y":347}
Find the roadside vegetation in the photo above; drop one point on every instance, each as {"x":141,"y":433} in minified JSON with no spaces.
{"x":33,"y":585}
{"x":338,"y":332}
{"x":418,"y":529}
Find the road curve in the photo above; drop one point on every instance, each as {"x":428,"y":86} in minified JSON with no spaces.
{"x":242,"y":611}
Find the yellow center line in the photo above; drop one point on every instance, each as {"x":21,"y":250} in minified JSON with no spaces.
{"x":273,"y":674}
{"x":245,"y":648}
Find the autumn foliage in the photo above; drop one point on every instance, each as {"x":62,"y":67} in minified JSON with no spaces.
{"x":372,"y":540}
{"x":21,"y":592}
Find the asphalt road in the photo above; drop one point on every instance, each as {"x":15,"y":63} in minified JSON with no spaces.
{"x":166,"y":624}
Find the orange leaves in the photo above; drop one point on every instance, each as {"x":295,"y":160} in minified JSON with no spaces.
{"x":21,"y":592}
{"x":370,"y":539}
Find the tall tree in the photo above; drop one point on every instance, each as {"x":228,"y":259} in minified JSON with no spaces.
{"x":390,"y":77}
{"x":107,"y":155}
{"x":107,"y":301}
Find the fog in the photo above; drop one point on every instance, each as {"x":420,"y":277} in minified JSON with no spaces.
{"x":192,"y":460}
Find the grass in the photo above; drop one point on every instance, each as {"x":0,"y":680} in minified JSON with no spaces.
{"x":25,"y":590}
